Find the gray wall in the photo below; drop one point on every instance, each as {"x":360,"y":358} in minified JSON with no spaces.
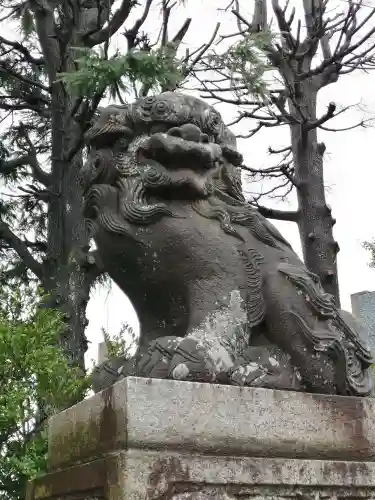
{"x":363,"y":308}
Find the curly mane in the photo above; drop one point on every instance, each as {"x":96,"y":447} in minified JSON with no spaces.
{"x":119,"y":132}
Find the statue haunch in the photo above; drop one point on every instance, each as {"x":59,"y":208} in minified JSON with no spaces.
{"x":220,"y":295}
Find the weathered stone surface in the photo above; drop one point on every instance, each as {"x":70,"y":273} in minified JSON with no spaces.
{"x":266,"y":367}
{"x":208,"y":418}
{"x":98,"y":480}
{"x":109,"y":371}
{"x":153,"y":475}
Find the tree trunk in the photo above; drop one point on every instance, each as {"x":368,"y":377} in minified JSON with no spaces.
{"x":69,"y":292}
{"x":68,"y":280}
{"x":67,"y":277}
{"x":315,"y":220}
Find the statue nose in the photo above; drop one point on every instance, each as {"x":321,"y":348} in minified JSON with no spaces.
{"x":189,"y":132}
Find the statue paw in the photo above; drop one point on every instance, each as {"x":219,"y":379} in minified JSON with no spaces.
{"x":182,"y":359}
{"x":191,"y":361}
{"x":187,"y":359}
{"x":266,"y":367}
{"x":155,"y":363}
{"x":111,"y":371}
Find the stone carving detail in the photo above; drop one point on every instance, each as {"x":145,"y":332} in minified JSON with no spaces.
{"x":170,"y":480}
{"x":218,"y":493}
{"x":82,"y":496}
{"x":220,"y":294}
{"x":166,"y":479}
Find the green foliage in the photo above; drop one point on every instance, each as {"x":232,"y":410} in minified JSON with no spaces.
{"x":97,"y":73}
{"x":35,"y":382}
{"x":246,"y":62}
{"x":27,"y":20}
{"x":121,"y":343}
{"x":370,"y":246}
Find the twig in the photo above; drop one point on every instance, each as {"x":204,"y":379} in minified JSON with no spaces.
{"x":21,"y":249}
{"x":39,"y":174}
{"x":272,"y":213}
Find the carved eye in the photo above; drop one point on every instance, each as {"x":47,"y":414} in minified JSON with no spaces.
{"x":122,"y":144}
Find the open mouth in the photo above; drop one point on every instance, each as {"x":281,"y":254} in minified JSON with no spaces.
{"x":179,"y":153}
{"x":179,"y":161}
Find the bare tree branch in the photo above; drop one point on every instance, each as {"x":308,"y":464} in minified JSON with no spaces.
{"x":201,"y":52}
{"x":10,"y":166}
{"x":45,"y":27}
{"x":327,"y":116}
{"x":284,"y":26}
{"x":88,"y":111}
{"x":21,"y":249}
{"x":22,"y":50}
{"x":8,"y":71}
{"x":166,"y":12}
{"x":362,"y":123}
{"x":272,"y":213}
{"x":38,"y":173}
{"x":273,"y":151}
{"x":180,"y":35}
{"x":41,"y":110}
{"x":115,"y":23}
{"x":131,"y":33}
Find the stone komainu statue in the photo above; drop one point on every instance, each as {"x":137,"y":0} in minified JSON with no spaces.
{"x":220,"y":294}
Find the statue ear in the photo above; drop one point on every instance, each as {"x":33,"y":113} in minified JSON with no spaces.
{"x":231,"y":176}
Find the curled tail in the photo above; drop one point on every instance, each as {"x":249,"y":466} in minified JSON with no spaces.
{"x":336,"y":333}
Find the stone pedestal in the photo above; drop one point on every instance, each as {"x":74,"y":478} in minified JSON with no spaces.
{"x":146,"y":439}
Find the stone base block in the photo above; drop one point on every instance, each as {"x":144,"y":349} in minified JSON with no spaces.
{"x":157,"y":475}
{"x":157,"y":439}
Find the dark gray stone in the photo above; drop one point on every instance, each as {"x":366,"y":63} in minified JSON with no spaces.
{"x":267,"y":367}
{"x":155,"y":363}
{"x":110,"y":371}
{"x":163,"y":198}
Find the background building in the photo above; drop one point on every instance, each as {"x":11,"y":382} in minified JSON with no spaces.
{"x":363,"y":308}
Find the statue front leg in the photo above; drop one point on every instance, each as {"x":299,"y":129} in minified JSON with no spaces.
{"x":212,"y":345}
{"x":215,"y":336}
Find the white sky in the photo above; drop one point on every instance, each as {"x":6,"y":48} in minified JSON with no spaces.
{"x":349,"y":169}
{"x":349,"y":174}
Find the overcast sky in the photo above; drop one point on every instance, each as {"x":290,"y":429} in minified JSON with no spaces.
{"x":349,"y":174}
